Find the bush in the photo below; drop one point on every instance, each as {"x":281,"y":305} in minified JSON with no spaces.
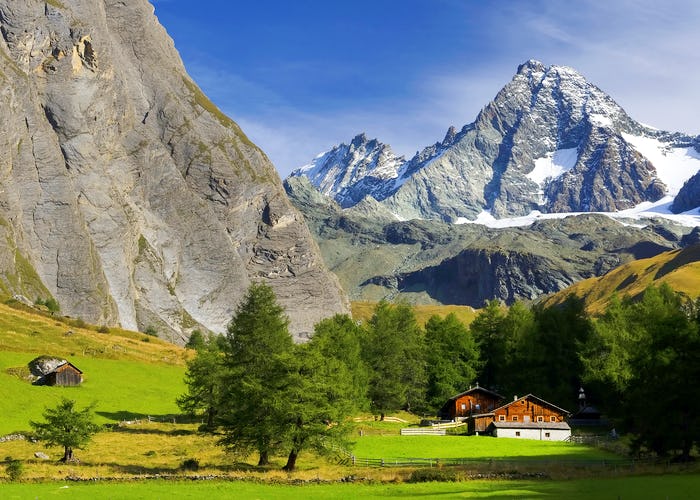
{"x":51,"y":304}
{"x":151,"y":331}
{"x":190,"y":464}
{"x":14,"y":470}
{"x":427,"y":475}
{"x":78,"y":323}
{"x":103,"y":329}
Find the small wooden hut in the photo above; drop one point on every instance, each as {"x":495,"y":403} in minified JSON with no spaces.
{"x":65,"y":374}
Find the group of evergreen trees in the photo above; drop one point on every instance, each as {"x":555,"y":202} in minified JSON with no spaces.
{"x":266,"y":394}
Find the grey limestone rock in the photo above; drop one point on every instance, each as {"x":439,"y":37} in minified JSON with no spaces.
{"x":127,"y":192}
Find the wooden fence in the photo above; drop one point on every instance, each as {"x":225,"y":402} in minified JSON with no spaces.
{"x":422,"y":431}
{"x":498,"y":462}
{"x":345,"y":457}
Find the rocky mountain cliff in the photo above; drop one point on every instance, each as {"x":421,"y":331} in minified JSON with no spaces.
{"x":550,"y":141}
{"x":125,"y":193}
{"x":689,"y":195}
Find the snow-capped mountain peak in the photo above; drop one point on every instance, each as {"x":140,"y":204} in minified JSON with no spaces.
{"x":550,"y":141}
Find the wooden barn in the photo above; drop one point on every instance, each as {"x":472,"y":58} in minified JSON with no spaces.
{"x":66,"y":374}
{"x":475,"y":401}
{"x":530,"y":417}
{"x":474,"y":406}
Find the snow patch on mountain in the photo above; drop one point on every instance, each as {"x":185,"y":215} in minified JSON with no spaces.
{"x":673,"y":166}
{"x":640,"y":214}
{"x":551,"y":166}
{"x":600,"y":120}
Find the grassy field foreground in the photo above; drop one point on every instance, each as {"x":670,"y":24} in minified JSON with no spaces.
{"x":671,"y":487}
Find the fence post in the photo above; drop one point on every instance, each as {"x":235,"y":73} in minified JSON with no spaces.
{"x":353,"y":459}
{"x":382,"y":462}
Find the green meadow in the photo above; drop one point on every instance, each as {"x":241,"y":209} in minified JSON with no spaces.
{"x":671,"y":487}
{"x":121,"y":389}
{"x":474,"y":447}
{"x":130,"y":376}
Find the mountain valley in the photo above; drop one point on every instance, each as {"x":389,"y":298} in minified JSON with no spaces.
{"x":551,"y":184}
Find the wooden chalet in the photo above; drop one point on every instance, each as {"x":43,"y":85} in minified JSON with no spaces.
{"x":475,"y":406}
{"x":530,"y":417}
{"x":65,"y":374}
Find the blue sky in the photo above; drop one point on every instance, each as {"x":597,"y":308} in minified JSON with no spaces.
{"x":301,"y":76}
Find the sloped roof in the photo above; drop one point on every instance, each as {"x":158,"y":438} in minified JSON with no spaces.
{"x":531,"y":425}
{"x":62,"y":365}
{"x":476,"y":389}
{"x":541,"y":401}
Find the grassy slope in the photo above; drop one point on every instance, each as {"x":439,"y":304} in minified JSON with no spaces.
{"x":362,"y":311}
{"x":125,"y":373}
{"x":679,"y":268}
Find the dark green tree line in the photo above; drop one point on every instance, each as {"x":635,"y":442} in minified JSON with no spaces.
{"x":644,"y":356}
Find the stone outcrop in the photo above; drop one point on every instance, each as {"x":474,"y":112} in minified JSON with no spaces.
{"x":125,"y":193}
{"x":688,"y":197}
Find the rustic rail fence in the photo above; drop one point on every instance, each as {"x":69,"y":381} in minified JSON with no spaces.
{"x":423,"y":431}
{"x":499,"y":462}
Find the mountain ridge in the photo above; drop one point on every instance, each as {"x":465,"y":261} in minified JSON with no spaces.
{"x":492,"y":164}
{"x":434,"y":262}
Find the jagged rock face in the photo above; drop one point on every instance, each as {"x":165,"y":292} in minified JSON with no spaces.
{"x":349,"y":172}
{"x":688,"y":197}
{"x":131,"y":196}
{"x":505,"y":161}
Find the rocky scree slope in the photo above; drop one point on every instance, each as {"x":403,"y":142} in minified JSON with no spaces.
{"x":125,"y":193}
{"x":549,"y":141}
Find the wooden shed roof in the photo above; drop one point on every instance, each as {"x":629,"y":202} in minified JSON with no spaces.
{"x":65,"y":365}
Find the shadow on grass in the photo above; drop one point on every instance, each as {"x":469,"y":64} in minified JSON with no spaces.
{"x":130,"y":416}
{"x":162,"y":470}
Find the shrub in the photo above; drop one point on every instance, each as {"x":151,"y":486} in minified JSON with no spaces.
{"x":103,"y":329}
{"x":150,"y":330}
{"x":190,"y":464}
{"x":78,"y":323}
{"x":427,"y":475}
{"x":52,"y":305}
{"x":14,"y":470}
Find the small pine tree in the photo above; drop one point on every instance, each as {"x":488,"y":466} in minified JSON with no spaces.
{"x":66,"y":426}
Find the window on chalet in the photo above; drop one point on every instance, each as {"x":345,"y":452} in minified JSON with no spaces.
{"x":540,"y":418}
{"x":514,"y":418}
{"x":501,"y":418}
{"x":464,"y":406}
{"x":552,"y":418}
{"x":546,"y":434}
{"x":517,"y":433}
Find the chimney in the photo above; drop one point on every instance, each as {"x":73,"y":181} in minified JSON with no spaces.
{"x":515,"y":397}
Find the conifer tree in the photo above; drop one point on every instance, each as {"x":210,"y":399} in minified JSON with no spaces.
{"x":452,"y":358}
{"x":66,"y":426}
{"x":394,"y":352}
{"x":254,"y":381}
